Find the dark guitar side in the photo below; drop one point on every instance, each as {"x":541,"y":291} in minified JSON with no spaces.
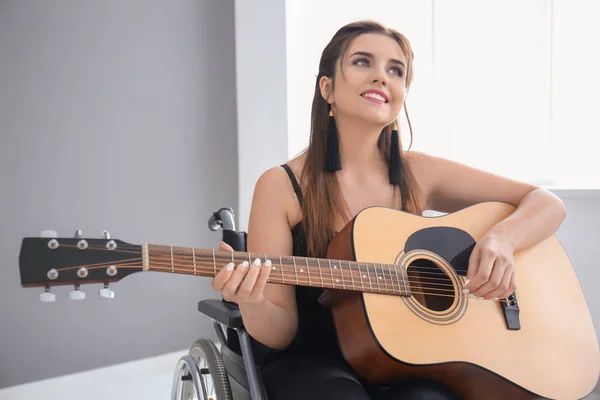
{"x":372,"y":363}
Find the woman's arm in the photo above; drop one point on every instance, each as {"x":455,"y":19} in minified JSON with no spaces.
{"x":269,"y":310}
{"x":448,"y":186}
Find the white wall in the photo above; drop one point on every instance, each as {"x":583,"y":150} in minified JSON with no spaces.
{"x":300,"y":53}
{"x":304,"y":48}
{"x":261,"y":94}
{"x":310,"y":24}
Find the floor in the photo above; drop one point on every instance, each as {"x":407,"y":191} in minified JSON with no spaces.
{"x":147,"y":379}
{"x":144,"y":379}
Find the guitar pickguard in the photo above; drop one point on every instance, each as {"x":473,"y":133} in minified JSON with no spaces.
{"x":452,"y":244}
{"x":455,"y":246}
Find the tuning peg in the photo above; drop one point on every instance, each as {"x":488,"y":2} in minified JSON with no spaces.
{"x":106,"y":292}
{"x":77,"y":294}
{"x":49,"y":234}
{"x":105,"y":234}
{"x":78,"y":234}
{"x":47,"y":296}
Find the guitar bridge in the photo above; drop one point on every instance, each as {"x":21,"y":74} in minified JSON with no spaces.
{"x":510,"y":307}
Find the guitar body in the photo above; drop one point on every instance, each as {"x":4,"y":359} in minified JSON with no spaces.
{"x":459,"y":341}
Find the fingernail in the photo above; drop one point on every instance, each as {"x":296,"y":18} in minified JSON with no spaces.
{"x":268,"y":263}
{"x":257,"y":261}
{"x":466,"y":291}
{"x":230,"y":267}
{"x":466,"y":282}
{"x":480,"y":298}
{"x":496,"y":298}
{"x":245,"y":264}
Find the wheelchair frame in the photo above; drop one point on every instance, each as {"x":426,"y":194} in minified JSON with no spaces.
{"x":244,"y":375}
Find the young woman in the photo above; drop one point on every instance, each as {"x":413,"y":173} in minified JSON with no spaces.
{"x":355,"y":160}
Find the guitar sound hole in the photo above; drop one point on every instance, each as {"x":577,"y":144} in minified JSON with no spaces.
{"x":430,"y":286}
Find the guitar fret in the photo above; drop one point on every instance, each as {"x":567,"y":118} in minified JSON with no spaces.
{"x":342,"y":273}
{"x":392,"y":278}
{"x":398,"y":277}
{"x":172,"y":265}
{"x":351,"y":277}
{"x":362,"y":285}
{"x":378,"y":278}
{"x":214,"y":261}
{"x":385,"y":279}
{"x":295,"y":269}
{"x":369,"y":274}
{"x":405,"y":280}
{"x":320,"y":273}
{"x":281,"y":268}
{"x":308,"y":271}
{"x":194,"y":258}
{"x":333,"y":282}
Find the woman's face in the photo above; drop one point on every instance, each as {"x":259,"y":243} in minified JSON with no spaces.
{"x":369,"y":81}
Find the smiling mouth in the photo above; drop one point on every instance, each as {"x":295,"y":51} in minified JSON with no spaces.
{"x":374,"y":97}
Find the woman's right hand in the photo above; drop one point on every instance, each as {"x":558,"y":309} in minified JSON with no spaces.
{"x":245,"y":284}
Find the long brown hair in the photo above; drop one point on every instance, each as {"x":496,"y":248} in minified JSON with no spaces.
{"x":322,"y":196}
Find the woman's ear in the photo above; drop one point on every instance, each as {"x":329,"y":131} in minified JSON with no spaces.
{"x":326,"y":87}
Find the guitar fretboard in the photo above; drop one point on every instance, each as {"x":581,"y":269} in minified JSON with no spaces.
{"x":287,"y":270}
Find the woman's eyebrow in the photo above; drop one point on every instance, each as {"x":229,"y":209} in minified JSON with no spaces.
{"x":369,"y":55}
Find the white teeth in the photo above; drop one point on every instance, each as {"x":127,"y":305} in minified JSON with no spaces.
{"x":375,"y":96}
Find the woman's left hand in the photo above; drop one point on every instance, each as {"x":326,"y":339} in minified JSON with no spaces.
{"x":491,"y":273}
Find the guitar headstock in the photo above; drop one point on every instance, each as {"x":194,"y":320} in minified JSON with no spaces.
{"x":48,"y":261}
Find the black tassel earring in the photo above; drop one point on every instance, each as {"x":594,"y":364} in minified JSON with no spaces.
{"x":333,"y":149}
{"x":395,"y":162}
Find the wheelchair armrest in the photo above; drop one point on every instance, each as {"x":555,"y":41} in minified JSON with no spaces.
{"x":226,"y":313}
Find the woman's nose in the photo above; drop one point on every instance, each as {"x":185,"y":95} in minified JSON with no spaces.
{"x":379,"y":76}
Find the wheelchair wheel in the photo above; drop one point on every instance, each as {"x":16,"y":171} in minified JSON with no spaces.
{"x":201,"y":374}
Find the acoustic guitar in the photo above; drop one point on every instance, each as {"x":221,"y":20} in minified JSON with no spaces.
{"x":394,"y":284}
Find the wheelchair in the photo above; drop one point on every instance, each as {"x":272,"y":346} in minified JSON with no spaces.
{"x":228,"y":371}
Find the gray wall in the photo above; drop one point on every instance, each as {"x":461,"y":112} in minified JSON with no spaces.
{"x":116,"y":115}
{"x":580,"y":236}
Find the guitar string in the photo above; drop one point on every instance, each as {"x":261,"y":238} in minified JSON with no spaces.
{"x":423,"y":281}
{"x":169,"y":268}
{"x":209,"y":267}
{"x":301,"y":281}
{"x":221,"y":254}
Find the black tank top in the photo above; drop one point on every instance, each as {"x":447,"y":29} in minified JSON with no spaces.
{"x":316,"y":330}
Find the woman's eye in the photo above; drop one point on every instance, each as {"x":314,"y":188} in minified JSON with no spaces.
{"x":396,"y":71}
{"x":362,"y":61}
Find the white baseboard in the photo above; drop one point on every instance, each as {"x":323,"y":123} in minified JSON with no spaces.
{"x":146,"y":379}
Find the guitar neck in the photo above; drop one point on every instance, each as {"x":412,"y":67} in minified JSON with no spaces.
{"x":287,"y":270}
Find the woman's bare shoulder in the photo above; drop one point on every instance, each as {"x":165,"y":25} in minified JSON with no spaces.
{"x":420,"y":166}
{"x":276,"y":185}
{"x":276,"y":177}
{"x":297,"y":165}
